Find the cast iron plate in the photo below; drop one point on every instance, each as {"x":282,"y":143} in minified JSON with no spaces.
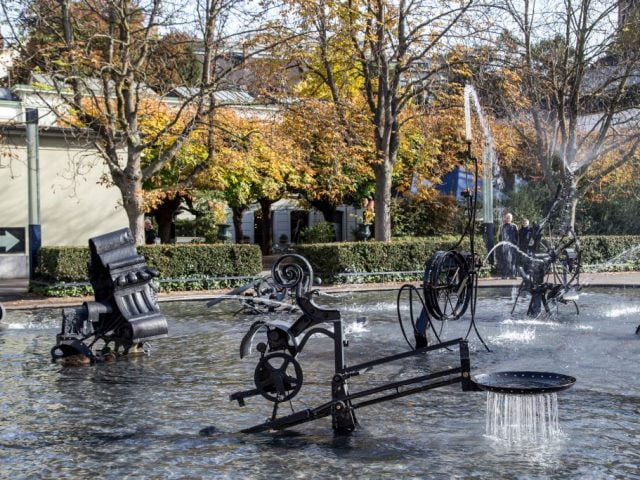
{"x":524,"y":383}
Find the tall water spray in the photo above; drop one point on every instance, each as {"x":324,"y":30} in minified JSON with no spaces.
{"x":490,"y":170}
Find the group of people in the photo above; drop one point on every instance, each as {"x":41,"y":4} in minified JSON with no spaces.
{"x":521,"y":238}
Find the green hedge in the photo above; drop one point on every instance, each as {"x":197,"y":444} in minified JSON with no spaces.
{"x":195,"y":267}
{"x":598,"y":249}
{"x":374,"y":261}
{"x":181,"y":267}
{"x":379,"y":262}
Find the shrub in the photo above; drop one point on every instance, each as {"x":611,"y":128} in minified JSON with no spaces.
{"x":181,"y":267}
{"x":599,"y":249}
{"x":530,"y":201}
{"x":335,"y":262}
{"x":404,"y":260}
{"x":423,"y":217}
{"x":322,"y":232}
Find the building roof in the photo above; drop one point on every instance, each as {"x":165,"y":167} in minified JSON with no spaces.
{"x":89,"y":84}
{"x":223,"y":97}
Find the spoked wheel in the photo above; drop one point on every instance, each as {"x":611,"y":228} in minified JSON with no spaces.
{"x":278,"y":377}
{"x":563,"y":274}
{"x":447,"y":285}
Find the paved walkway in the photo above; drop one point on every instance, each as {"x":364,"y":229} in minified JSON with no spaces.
{"x":14,"y":293}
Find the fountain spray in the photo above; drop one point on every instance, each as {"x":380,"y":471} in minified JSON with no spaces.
{"x":488,"y":231}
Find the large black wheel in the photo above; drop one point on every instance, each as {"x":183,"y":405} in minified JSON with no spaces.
{"x":278,"y":377}
{"x":447,"y":285}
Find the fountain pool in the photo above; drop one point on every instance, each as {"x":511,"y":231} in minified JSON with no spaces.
{"x":140,"y":418}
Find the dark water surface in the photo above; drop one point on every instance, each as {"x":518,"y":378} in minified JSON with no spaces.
{"x":140,"y":418}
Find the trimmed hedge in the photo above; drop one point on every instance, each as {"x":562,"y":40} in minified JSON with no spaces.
{"x":336,"y":262}
{"x":404,"y":260}
{"x":196,"y":267}
{"x":598,"y":249}
{"x":181,"y":267}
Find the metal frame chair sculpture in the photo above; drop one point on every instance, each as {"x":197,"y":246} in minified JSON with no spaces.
{"x":552,"y":274}
{"x":278,"y":376}
{"x":125,"y":311}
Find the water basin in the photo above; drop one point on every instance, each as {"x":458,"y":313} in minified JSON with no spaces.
{"x":140,"y":418}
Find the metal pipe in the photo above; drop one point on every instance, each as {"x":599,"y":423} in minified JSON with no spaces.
{"x":33,"y":163}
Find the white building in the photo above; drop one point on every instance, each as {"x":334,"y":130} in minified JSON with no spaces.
{"x":76,"y":201}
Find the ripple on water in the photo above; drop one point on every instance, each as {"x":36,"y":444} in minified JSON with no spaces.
{"x":622,"y":311}
{"x":141,"y":418}
{"x":529,"y":321}
{"x":525,"y":335}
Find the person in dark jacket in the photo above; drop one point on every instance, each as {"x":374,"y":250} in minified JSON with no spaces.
{"x":508,"y":233}
{"x":525,"y":237}
{"x":525,"y":242}
{"x":149,"y":233}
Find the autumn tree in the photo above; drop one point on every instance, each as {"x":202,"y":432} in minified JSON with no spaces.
{"x":256,"y":161}
{"x":173,"y":62}
{"x":577,"y":72}
{"x":392,"y":51}
{"x":100,"y":59}
{"x":339,"y":171}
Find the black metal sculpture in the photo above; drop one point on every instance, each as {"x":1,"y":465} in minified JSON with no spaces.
{"x":551,"y":274}
{"x":524,"y":382}
{"x":266,"y":295}
{"x":125,"y":311}
{"x":278,"y":376}
{"x":450,"y":282}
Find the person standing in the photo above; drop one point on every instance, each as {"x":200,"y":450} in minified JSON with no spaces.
{"x":150,"y":235}
{"x":525,"y":237}
{"x":508,"y":233}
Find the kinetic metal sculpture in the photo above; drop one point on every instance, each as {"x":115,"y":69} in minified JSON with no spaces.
{"x":552,"y":274}
{"x":266,"y":295}
{"x":125,"y":311}
{"x":450,"y":282}
{"x":450,"y":287}
{"x":278,"y":376}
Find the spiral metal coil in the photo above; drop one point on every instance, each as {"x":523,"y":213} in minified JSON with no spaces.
{"x":447,"y":285}
{"x":292,"y":271}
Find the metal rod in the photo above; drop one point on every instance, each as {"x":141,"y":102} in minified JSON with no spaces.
{"x":402,"y":383}
{"x":338,"y":345}
{"x":399,"y":356}
{"x":411,"y":391}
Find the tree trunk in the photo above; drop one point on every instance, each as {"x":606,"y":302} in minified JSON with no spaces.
{"x":237,"y":222}
{"x":133,"y":202}
{"x":383,"y":201}
{"x":164,"y":214}
{"x":326,"y":208}
{"x":267,"y":217}
{"x":164,"y":230}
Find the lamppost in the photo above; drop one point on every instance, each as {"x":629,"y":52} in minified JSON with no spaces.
{"x":33,"y":164}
